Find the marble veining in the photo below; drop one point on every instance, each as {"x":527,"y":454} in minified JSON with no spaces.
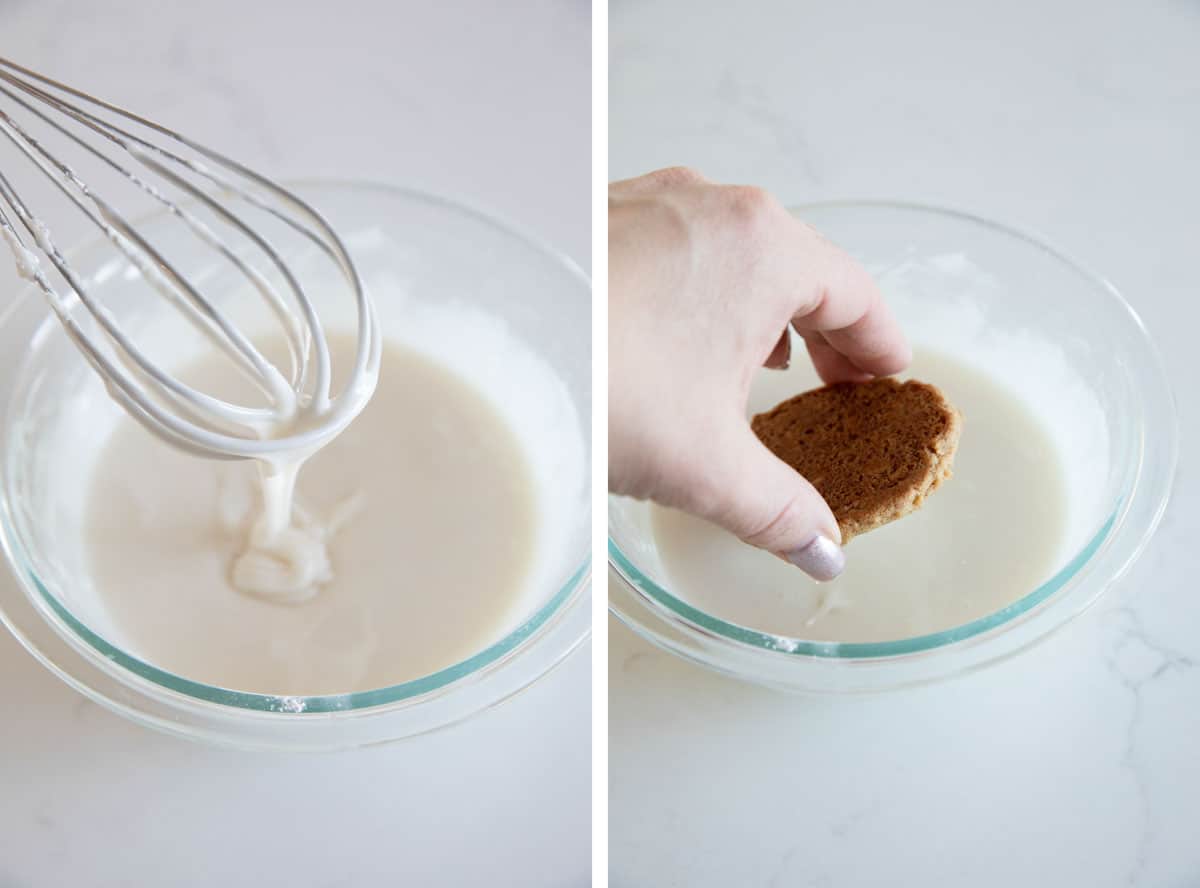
{"x":1075,"y":763}
{"x":415,"y":94}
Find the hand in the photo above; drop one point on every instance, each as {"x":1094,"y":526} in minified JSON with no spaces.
{"x":704,"y":281}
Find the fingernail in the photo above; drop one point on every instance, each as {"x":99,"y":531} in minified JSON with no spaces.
{"x":822,"y":559}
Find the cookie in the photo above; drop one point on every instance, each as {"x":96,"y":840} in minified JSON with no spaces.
{"x":874,"y":450}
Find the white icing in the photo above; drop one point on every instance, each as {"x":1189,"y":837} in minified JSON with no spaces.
{"x":28,"y":266}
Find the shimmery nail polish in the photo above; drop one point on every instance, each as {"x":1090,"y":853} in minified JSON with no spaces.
{"x":822,"y":559}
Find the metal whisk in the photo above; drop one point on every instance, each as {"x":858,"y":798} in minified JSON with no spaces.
{"x":210,"y":194}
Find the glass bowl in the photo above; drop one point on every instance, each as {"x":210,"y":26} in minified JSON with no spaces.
{"x":424,"y":248}
{"x":1064,"y":341}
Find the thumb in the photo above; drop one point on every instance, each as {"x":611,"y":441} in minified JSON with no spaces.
{"x":768,"y":504}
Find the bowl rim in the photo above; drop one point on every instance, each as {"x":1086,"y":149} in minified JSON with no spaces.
{"x":165,"y":685}
{"x":680,"y":615}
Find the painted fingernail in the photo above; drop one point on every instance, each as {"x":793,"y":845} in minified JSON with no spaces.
{"x":822,"y":559}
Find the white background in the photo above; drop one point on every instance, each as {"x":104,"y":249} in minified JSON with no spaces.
{"x":484,"y":102}
{"x":1077,"y":764}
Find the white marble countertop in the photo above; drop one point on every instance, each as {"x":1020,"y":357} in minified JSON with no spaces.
{"x":471,"y":100}
{"x":1078,"y":762}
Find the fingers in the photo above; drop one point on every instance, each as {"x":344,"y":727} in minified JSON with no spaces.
{"x":658,"y":180}
{"x":830,"y":293}
{"x":857,"y":334}
{"x":761,"y":499}
{"x":831,"y":365}
{"x":781,"y":355}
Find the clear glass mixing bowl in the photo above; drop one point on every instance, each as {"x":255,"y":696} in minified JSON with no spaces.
{"x":434,"y":249}
{"x":1059,"y":337}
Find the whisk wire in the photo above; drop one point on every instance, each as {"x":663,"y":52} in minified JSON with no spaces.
{"x":112,"y":132}
{"x":132,"y":357}
{"x":207,"y":317}
{"x":183,"y":415}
